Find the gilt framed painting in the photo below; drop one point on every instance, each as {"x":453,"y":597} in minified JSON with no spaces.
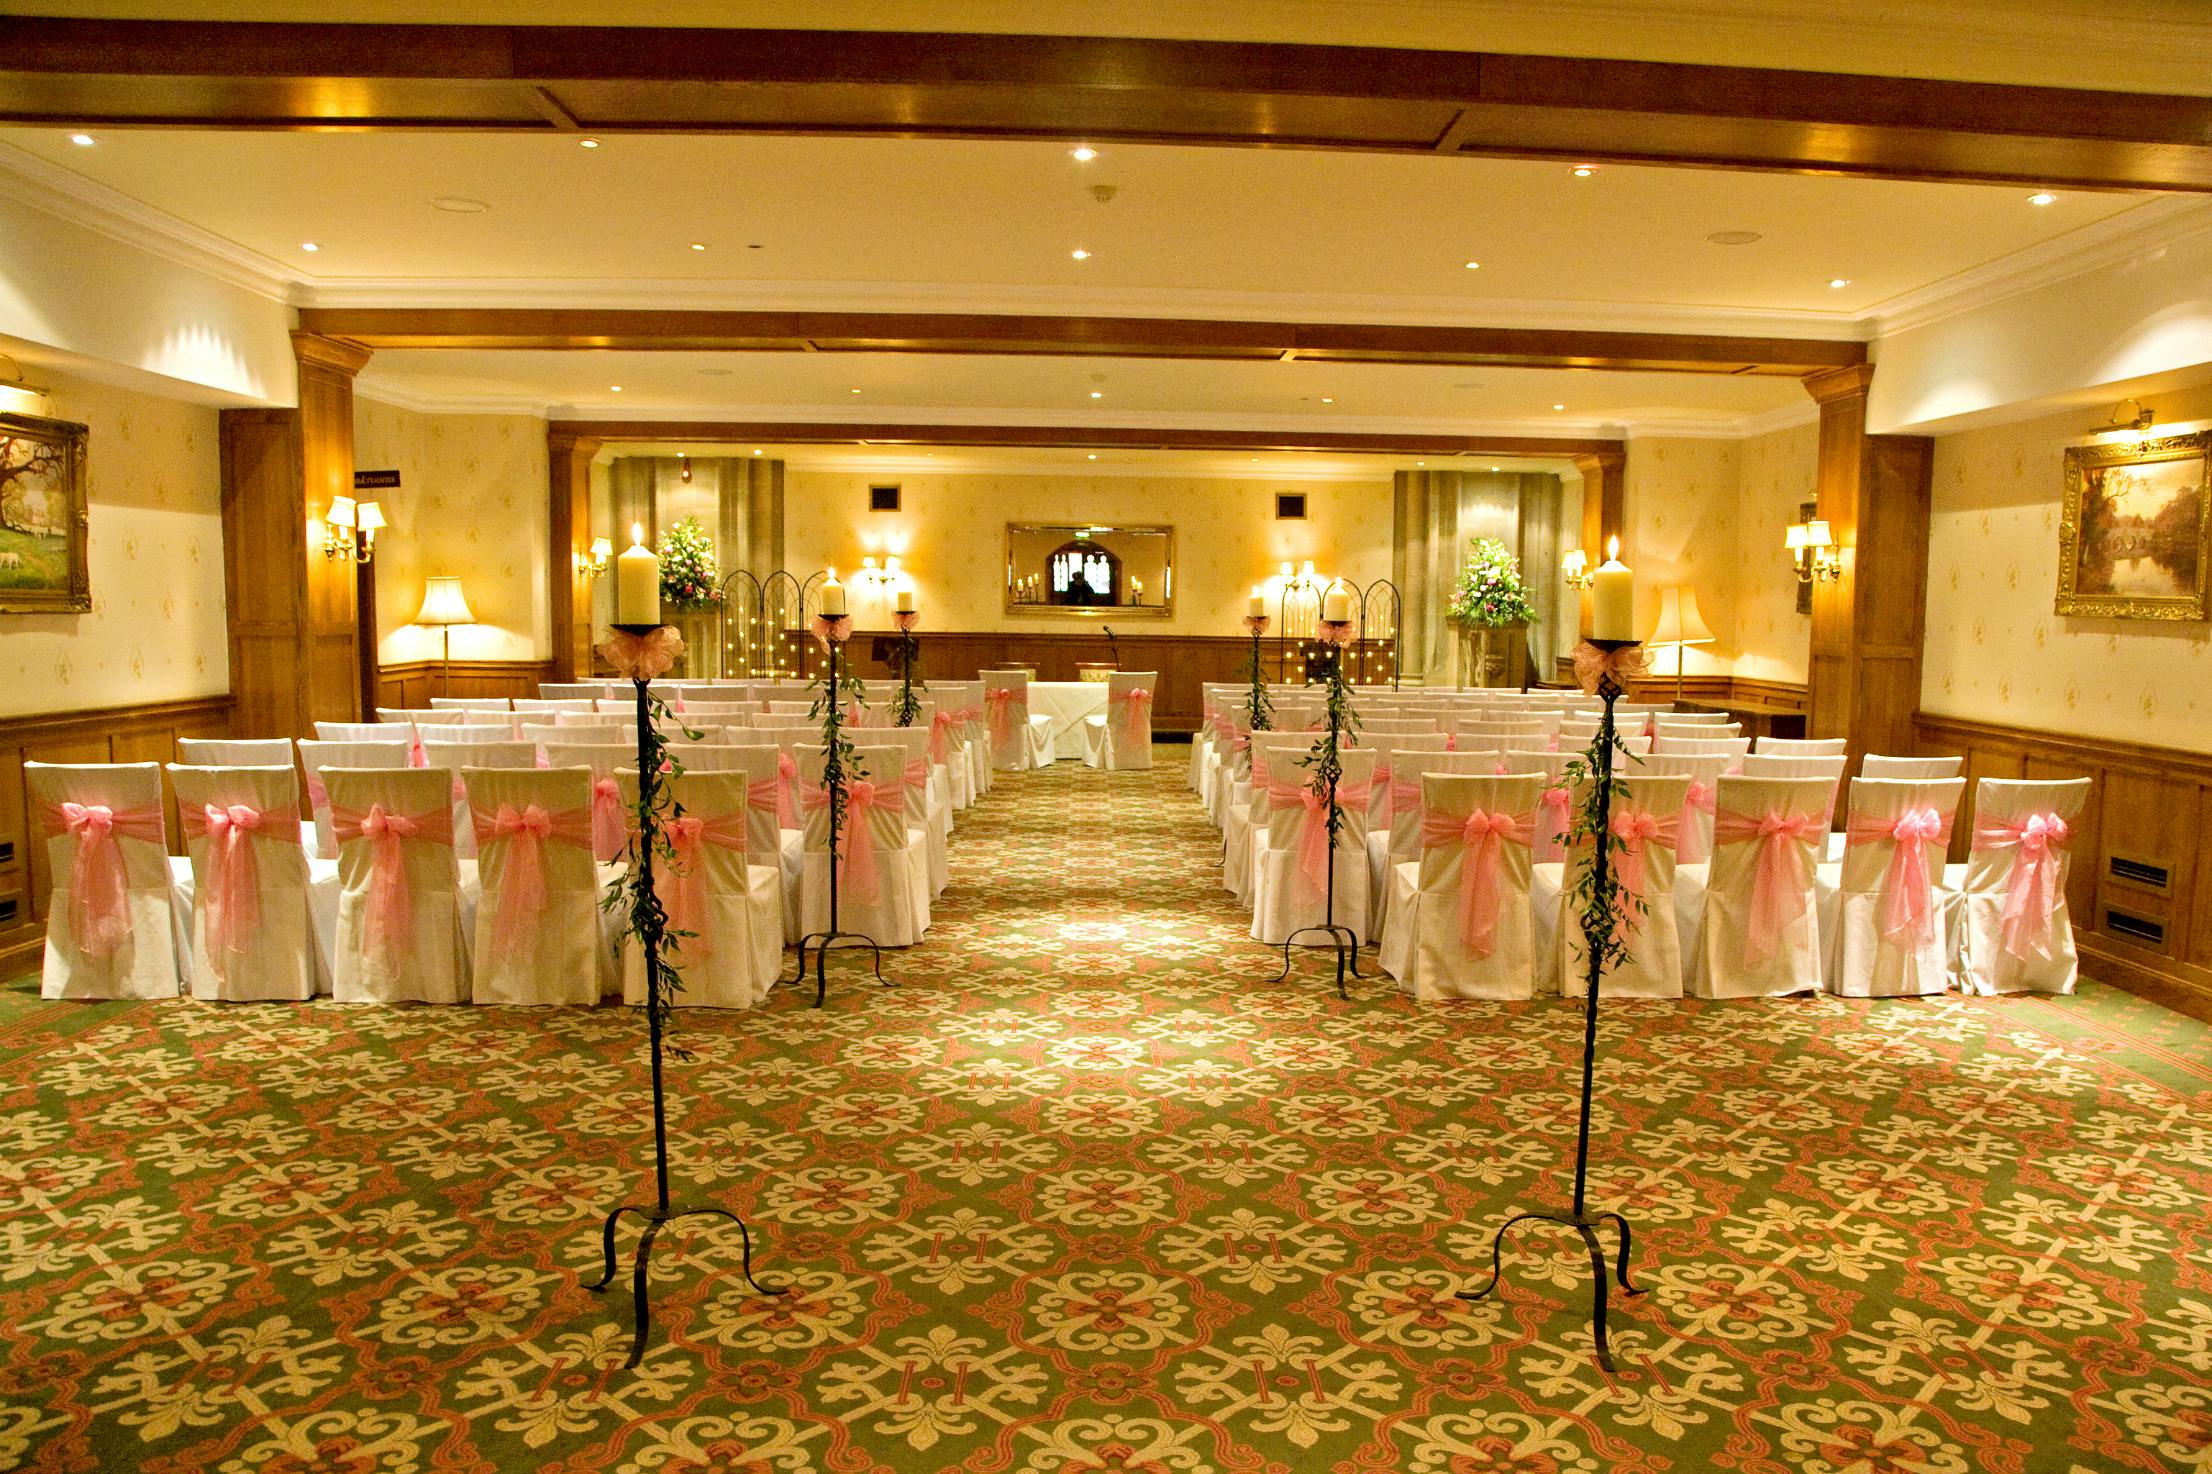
{"x":42,"y":517}
{"x":2132,"y":541}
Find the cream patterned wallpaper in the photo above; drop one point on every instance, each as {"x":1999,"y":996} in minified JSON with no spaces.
{"x":1995,"y":650}
{"x":472,"y":502}
{"x":1681,"y":501}
{"x":1778,"y":473}
{"x":156,"y":629}
{"x":951,"y":536}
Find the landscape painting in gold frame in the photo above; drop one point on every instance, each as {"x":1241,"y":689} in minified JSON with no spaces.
{"x":43,"y":568}
{"x":2135,"y":537}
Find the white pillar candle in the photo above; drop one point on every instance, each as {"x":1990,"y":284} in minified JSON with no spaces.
{"x":906,"y":601}
{"x":637,"y":583}
{"x":1613,"y":598}
{"x":833,"y":597}
{"x":1336,"y":605}
{"x":1257,"y":607}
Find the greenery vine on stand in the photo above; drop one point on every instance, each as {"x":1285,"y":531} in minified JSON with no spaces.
{"x":634,"y":895}
{"x":1605,"y":915}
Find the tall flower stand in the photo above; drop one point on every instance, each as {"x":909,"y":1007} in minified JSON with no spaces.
{"x":1327,"y":770}
{"x":834,"y":633}
{"x":1612,"y":663}
{"x":642,"y":652}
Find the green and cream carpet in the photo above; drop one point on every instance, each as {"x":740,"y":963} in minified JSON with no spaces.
{"x":1087,"y":1192}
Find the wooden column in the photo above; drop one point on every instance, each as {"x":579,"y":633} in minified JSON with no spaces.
{"x":295,"y":635}
{"x":568,"y":467}
{"x":1864,"y":679}
{"x":1604,"y":503}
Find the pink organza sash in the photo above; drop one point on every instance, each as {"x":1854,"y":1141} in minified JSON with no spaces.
{"x":417,"y":755}
{"x":856,"y":837}
{"x":318,"y":795}
{"x":610,"y":827}
{"x":1481,"y":869}
{"x":1382,"y":791}
{"x":1135,"y":715}
{"x":917,"y":776}
{"x":787,"y":786}
{"x":1781,"y":884}
{"x":1909,"y":890}
{"x":1000,"y":702}
{"x":940,"y":725}
{"x":1313,"y":829}
{"x":1552,"y":821}
{"x":1640,"y":831}
{"x":526,"y":832}
{"x":771,"y":795}
{"x":1698,"y":798}
{"x":385,"y":929}
{"x":233,"y":882}
{"x":99,"y":885}
{"x":689,"y":837}
{"x":2031,"y":900}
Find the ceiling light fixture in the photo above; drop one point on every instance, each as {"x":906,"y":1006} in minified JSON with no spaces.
{"x":1837,"y":283}
{"x":82,"y":140}
{"x":2042,"y":197}
{"x":1325,"y":399}
{"x":1080,"y":254}
{"x":1474,"y":266}
{"x":309,"y":246}
{"x":852,"y":391}
{"x":1584,"y":171}
{"x":1559,"y":406}
{"x":1090,"y":457}
{"x":698,"y":245}
{"x":614,"y":388}
{"x":587,"y":143}
{"x":1098,"y":394}
{"x":1082,"y":153}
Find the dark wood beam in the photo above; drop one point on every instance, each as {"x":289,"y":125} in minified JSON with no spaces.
{"x":1077,"y":437}
{"x":219,"y":74}
{"x":1079,"y":337}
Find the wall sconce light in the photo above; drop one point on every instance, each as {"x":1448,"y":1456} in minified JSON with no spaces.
{"x":875,"y":577}
{"x":349,"y":530}
{"x":1576,"y":568}
{"x":1814,"y":550}
{"x":594,"y":563}
{"x":2139,"y":425}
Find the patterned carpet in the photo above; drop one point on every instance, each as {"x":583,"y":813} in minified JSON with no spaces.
{"x":1085,"y":1192}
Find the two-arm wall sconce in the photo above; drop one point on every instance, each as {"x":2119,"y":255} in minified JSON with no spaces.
{"x":594,"y":563}
{"x":1575,"y":568}
{"x":1814,"y":549}
{"x":349,"y":530}
{"x":878,"y":577}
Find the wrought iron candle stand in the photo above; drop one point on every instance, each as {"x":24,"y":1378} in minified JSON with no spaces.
{"x":1342,"y":939}
{"x":910,"y":649}
{"x":834,"y":633}
{"x":1597,"y":922}
{"x":650,"y":922}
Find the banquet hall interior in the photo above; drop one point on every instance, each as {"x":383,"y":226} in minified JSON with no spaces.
{"x":1416,"y":735}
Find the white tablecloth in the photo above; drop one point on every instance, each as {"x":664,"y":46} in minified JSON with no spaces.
{"x":1067,"y":703}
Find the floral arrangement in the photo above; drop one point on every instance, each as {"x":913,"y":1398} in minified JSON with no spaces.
{"x":1490,"y":591}
{"x":690,"y":581}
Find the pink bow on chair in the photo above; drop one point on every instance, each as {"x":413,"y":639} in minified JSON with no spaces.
{"x":233,"y":879}
{"x":1781,"y":885}
{"x":939,"y":726}
{"x":1313,"y":830}
{"x":1136,"y":713}
{"x":385,"y":921}
{"x":526,"y":832}
{"x":1552,"y":822}
{"x":1698,"y":798}
{"x":2031,"y":900}
{"x":688,"y":837}
{"x":610,"y":825}
{"x":1000,"y":702}
{"x":1481,"y":869}
{"x":1910,"y":891}
{"x":856,"y":839}
{"x":418,"y":756}
{"x":99,"y":886}
{"x":916,"y":774}
{"x":1639,"y":831}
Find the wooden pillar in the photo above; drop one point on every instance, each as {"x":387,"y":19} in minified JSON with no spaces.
{"x":1864,"y":678}
{"x":568,"y":467}
{"x":1604,"y":504}
{"x":295,"y":634}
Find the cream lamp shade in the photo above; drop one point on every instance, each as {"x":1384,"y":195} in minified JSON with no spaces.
{"x":370,"y":516}
{"x":341,"y":513}
{"x":442,"y":602}
{"x":1680,"y":623}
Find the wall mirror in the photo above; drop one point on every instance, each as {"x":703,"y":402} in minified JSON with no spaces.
{"x":1090,"y":570}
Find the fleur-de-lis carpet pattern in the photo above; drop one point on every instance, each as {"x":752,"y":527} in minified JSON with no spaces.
{"x":1086,"y":1191}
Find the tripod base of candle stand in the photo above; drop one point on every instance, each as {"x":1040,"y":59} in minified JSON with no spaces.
{"x":821,"y":943}
{"x":1342,"y":939}
{"x":1587,"y":1225}
{"x":655,"y":1219}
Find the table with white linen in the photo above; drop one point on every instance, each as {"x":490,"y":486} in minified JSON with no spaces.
{"x":1067,"y":703}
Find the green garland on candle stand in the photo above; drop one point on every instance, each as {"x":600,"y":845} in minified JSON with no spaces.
{"x":1605,"y":915}
{"x":1259,"y":707}
{"x":631,"y":897}
{"x":1340,"y":724}
{"x":906,"y":706}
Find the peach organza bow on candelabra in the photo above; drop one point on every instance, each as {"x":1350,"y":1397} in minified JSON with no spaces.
{"x":99,"y":885}
{"x":525,"y":832}
{"x":384,"y":924}
{"x":1136,"y":713}
{"x":233,"y":883}
{"x":999,"y":700}
{"x":1910,"y":893}
{"x":856,"y":838}
{"x":2031,"y":900}
{"x":1639,"y":832}
{"x":1481,"y":869}
{"x":610,"y":826}
{"x":1781,"y":882}
{"x":1313,"y":829}
{"x":689,"y":836}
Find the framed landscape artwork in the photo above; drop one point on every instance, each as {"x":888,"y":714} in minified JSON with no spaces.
{"x":2132,"y":539}
{"x":42,"y":517}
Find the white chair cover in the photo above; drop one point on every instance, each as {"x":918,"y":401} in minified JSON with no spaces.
{"x":2017,"y":933}
{"x":537,"y":937}
{"x":402,"y":934}
{"x":111,"y":924}
{"x":1018,"y":741}
{"x":451,"y":757}
{"x":610,"y":815}
{"x":1802,"y":746}
{"x":1732,"y":748}
{"x":1121,"y":736}
{"x":717,"y":887}
{"x":316,"y":756}
{"x":1759,"y":934}
{"x":1291,"y":874}
{"x":235,"y":752}
{"x":1874,"y":765}
{"x":883,"y":884}
{"x":1891,"y":936}
{"x":553,"y":703}
{"x":928,"y":803}
{"x":1460,"y":922}
{"x":1647,"y":821}
{"x":253,"y":932}
{"x":1695,"y":844}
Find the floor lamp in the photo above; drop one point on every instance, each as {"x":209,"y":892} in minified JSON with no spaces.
{"x":1680,"y":626}
{"x":444,"y":606}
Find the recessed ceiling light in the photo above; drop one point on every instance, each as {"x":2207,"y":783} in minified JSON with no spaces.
{"x":1735,"y":237}
{"x":1559,"y":406}
{"x":1080,"y":254}
{"x":1082,"y":153}
{"x":1325,"y":399}
{"x":1098,"y":394}
{"x":1090,"y":458}
{"x":756,"y":452}
{"x":852,"y":391}
{"x":82,"y":140}
{"x":588,"y":142}
{"x":309,"y":246}
{"x":1420,"y":463}
{"x":698,"y":245}
{"x":1474,"y":266}
{"x":1584,"y":171}
{"x":614,"y":388}
{"x":1493,"y":468}
{"x":1837,"y":283}
{"x":2042,"y":197}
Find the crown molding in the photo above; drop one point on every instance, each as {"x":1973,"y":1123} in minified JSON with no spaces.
{"x":2106,"y":243}
{"x":909,"y":465}
{"x":70,"y":196}
{"x":1788,"y":417}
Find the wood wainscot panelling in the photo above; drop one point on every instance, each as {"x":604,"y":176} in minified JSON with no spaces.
{"x":413,"y":683}
{"x":2141,"y":897}
{"x":124,"y":734}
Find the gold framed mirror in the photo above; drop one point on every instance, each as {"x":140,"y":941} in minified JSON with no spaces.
{"x":1090,"y":570}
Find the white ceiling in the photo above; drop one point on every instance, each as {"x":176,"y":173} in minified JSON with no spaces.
{"x":1294,"y":466}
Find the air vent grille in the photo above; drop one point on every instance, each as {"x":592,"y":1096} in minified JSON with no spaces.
{"x":2141,"y":872}
{"x":8,"y":910}
{"x":7,"y":851}
{"x":2135,"y":928}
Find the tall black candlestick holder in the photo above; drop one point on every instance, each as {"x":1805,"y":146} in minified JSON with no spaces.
{"x":910,"y":650}
{"x":1328,"y":767}
{"x":649,"y":922}
{"x":1598,"y":922}
{"x":834,"y":634}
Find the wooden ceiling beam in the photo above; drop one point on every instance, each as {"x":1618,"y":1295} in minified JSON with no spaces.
{"x":1072,"y":437}
{"x":215,"y":74}
{"x":656,"y":330}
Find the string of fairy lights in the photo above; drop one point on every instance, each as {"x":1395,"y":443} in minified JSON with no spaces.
{"x":1372,"y":657}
